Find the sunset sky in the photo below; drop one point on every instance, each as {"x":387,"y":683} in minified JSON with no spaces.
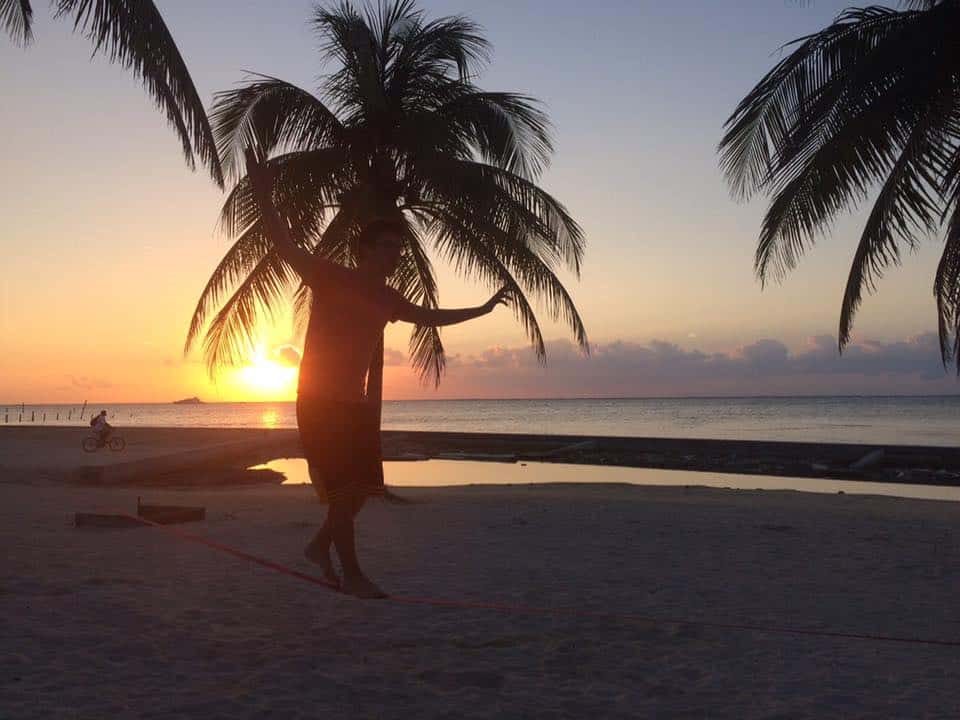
{"x":108,"y":238}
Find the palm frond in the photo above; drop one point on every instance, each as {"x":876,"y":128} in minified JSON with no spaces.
{"x":232,"y":334}
{"x":427,"y":354}
{"x":539,"y":279}
{"x":302,"y":304}
{"x":416,"y":282}
{"x":133,"y":34}
{"x":760,"y":127}
{"x":427,"y":51}
{"x":836,"y":152}
{"x":272,"y":115}
{"x":869,"y":101}
{"x":307,"y":185}
{"x":346,"y":37}
{"x":463,"y":247}
{"x":240,"y":260}
{"x":16,"y":17}
{"x":542,"y":218}
{"x":458,"y":120}
{"x":535,"y":277}
{"x":861,"y":77}
{"x":946,"y":290}
{"x":509,"y":131}
{"x":908,"y":204}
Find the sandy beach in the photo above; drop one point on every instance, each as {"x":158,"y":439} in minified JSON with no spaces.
{"x":136,"y":623}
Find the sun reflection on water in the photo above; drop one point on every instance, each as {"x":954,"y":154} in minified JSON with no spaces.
{"x":270,"y":418}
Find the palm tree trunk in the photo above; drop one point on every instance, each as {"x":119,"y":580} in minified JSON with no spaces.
{"x":375,"y":379}
{"x":375,"y":396}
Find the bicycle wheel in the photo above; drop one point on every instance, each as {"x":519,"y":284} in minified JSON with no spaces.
{"x":117,"y":443}
{"x":89,"y":444}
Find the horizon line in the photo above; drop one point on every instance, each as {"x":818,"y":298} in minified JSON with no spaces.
{"x":815,"y":396}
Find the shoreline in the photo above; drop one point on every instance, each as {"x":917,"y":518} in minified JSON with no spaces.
{"x":222,"y":456}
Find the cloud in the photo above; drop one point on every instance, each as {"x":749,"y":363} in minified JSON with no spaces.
{"x":287,"y":355}
{"x":659,"y":368}
{"x":290,"y":355}
{"x":393,"y":357}
{"x":88,"y":383}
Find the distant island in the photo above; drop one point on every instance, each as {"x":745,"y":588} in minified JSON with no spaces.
{"x":189,"y":401}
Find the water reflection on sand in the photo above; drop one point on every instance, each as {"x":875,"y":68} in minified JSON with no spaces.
{"x":438,"y":473}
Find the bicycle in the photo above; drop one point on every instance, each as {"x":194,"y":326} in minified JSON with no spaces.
{"x":92,"y":443}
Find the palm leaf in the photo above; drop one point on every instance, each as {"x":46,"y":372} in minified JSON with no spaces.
{"x":869,"y":101}
{"x":489,"y":189}
{"x":243,"y":257}
{"x":416,"y":282}
{"x":233,"y":332}
{"x":532,"y":274}
{"x":830,"y":166}
{"x":465,"y":249}
{"x":16,"y":17}
{"x":759,"y":128}
{"x":346,"y":37}
{"x":307,"y":186}
{"x":133,"y":34}
{"x":272,"y":115}
{"x":460,"y":121}
{"x":426,"y":51}
{"x":946,"y":290}
{"x":907,"y":204}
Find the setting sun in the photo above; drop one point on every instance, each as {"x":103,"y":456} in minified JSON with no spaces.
{"x":266,"y":376}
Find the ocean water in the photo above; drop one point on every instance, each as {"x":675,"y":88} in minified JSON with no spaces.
{"x":882,"y":420}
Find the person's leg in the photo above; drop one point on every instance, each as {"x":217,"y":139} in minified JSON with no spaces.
{"x":340,"y":520}
{"x":318,"y":549}
{"x":342,"y":530}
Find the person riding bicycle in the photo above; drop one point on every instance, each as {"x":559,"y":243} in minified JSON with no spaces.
{"x":101,"y":428}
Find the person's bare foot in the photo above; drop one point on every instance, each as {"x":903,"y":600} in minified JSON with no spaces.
{"x":362,"y":588}
{"x":320,"y":554}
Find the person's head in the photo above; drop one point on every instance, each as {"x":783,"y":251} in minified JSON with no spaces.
{"x":380,"y":246}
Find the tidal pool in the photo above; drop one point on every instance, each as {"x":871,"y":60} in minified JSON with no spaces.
{"x":439,"y":473}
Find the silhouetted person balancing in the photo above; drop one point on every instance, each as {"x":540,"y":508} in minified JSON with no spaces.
{"x":339,"y":430}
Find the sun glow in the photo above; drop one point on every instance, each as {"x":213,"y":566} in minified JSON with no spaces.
{"x":267,"y":377}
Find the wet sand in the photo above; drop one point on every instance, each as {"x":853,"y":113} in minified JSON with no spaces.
{"x":134,"y":623}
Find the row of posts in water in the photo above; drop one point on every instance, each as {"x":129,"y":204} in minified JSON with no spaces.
{"x":19,"y":414}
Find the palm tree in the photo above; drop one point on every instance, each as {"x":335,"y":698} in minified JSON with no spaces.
{"x":870,"y":104}
{"x":132,"y":33}
{"x":400,"y":129}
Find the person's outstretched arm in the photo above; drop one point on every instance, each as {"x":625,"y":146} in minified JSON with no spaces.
{"x":305,"y":263}
{"x":437,"y":317}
